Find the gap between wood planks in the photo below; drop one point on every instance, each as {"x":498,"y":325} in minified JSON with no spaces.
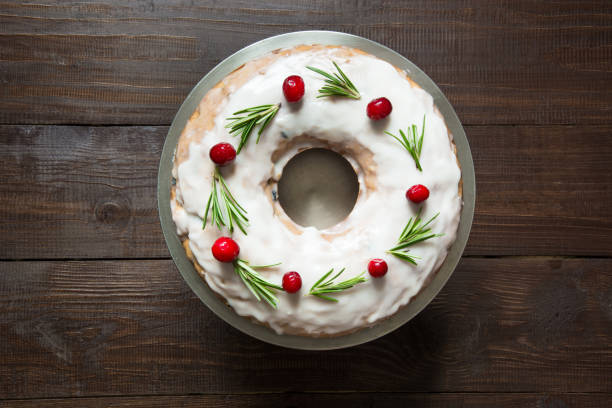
{"x":306,"y":399}
{"x":168,"y":258}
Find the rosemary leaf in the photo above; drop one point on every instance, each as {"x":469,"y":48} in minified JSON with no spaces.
{"x":337,"y":84}
{"x":236,"y":214}
{"x":413,"y":233}
{"x":243,"y":125}
{"x":326,"y":285}
{"x":259,"y":287}
{"x":404,"y":255}
{"x":413,"y":144}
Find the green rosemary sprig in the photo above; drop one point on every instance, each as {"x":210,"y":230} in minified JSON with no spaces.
{"x":324,"y":286}
{"x":413,"y":145}
{"x":337,"y":84}
{"x":244,"y":121}
{"x":235,"y":213}
{"x":259,"y":287}
{"x":413,"y":233}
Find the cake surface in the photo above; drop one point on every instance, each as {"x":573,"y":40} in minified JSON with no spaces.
{"x":384,"y":168}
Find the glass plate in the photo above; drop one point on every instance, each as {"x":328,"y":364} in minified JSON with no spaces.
{"x":198,"y":285}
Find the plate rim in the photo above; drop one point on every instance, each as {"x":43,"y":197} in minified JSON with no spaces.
{"x":198,"y":284}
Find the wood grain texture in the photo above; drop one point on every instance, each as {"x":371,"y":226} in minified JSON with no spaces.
{"x":90,"y":192}
{"x":80,"y":192}
{"x":134,"y":328}
{"x":542,"y":190}
{"x":120,"y":62}
{"x":308,"y":400}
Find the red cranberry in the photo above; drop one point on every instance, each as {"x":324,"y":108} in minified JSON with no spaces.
{"x":225,"y":249}
{"x":293,"y":88}
{"x":379,"y":108}
{"x":222,"y":154}
{"x":377,"y":268}
{"x":417,"y":193}
{"x":292,"y":282}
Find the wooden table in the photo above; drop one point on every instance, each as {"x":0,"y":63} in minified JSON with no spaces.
{"x":94,"y":313}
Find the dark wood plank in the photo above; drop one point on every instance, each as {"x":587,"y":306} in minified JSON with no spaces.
{"x":134,"y":328}
{"x":542,"y":190}
{"x":90,"y":192}
{"x":117,"y":62}
{"x":307,"y":400}
{"x":78,"y":192}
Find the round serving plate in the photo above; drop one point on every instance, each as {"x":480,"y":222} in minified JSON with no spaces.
{"x":188,"y":271}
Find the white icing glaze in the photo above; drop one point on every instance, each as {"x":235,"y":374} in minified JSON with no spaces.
{"x":371,"y":228}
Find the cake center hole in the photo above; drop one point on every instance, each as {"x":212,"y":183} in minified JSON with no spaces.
{"x":318,"y":188}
